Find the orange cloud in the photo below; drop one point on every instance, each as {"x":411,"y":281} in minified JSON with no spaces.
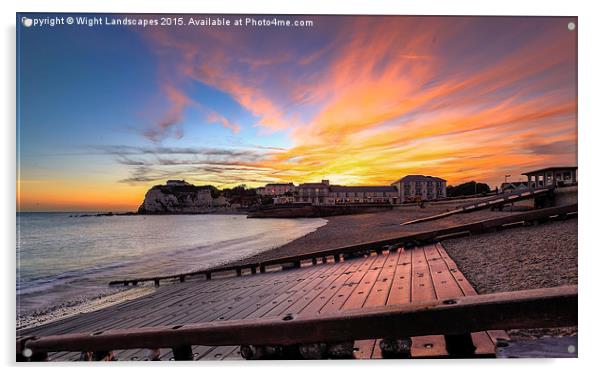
{"x":378,"y":98}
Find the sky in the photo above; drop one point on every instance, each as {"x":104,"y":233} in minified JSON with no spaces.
{"x":106,"y":112}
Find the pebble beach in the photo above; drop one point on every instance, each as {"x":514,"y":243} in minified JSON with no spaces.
{"x":515,"y":259}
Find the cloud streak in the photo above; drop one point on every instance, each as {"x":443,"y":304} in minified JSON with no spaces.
{"x":366,"y":100}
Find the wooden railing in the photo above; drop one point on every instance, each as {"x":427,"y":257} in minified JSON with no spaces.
{"x":538,"y":308}
{"x":407,"y":241}
{"x":505,"y":198}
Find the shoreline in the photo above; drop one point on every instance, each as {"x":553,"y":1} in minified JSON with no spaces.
{"x":496,"y":256}
{"x":70,"y":308}
{"x":346,"y":230}
{"x":75,"y":302}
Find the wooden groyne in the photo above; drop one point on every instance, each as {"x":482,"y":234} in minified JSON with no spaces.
{"x":398,"y":298}
{"x":336,"y":254}
{"x":495,"y":202}
{"x":401,"y":303}
{"x":309,"y":211}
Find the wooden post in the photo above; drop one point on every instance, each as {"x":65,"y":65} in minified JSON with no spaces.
{"x":135,"y":282}
{"x":182,"y":353}
{"x":337,"y":258}
{"x":314,"y":261}
{"x":153,"y":354}
{"x":182,"y":278}
{"x":396,"y":348}
{"x":103,"y":356}
{"x":207,"y":275}
{"x":460,"y":346}
{"x":25,"y":354}
{"x":262,"y":268}
{"x":157,"y":282}
{"x":253,"y":270}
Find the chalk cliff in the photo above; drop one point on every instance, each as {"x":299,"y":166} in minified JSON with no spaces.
{"x":180,"y":197}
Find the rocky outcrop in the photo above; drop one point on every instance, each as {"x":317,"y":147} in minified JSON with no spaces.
{"x":181,"y":198}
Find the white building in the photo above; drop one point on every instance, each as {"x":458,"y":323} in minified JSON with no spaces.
{"x":552,"y":176}
{"x":408,"y":189}
{"x":314,"y":192}
{"x":177,"y":183}
{"x":416,"y":187}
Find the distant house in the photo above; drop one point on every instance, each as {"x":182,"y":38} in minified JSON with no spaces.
{"x":515,"y":185}
{"x":276,"y":190}
{"x":416,"y":187}
{"x":177,"y":183}
{"x":314,"y":192}
{"x":552,"y":176}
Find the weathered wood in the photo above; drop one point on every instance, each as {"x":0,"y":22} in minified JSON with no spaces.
{"x":378,"y":297}
{"x":447,"y":286}
{"x":482,"y":346}
{"x":540,"y":308}
{"x":172,"y":297}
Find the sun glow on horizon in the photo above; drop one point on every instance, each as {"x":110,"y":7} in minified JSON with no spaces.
{"x":355,"y":100}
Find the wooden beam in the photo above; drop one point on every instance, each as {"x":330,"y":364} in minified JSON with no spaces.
{"x":538,"y":308}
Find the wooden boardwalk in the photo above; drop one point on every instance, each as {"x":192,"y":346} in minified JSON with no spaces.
{"x":393,"y":277}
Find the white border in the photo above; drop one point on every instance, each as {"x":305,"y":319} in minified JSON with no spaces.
{"x":590,"y":63}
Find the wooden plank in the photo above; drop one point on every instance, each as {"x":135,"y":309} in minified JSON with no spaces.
{"x":468,"y":290}
{"x":542,"y":308}
{"x":165,"y":318}
{"x":400,"y":291}
{"x":244,"y":310}
{"x":446,"y":287}
{"x":378,"y":297}
{"x":326,"y":294}
{"x":336,"y":302}
{"x":432,"y":346}
{"x":360,"y":293}
{"x":339,"y":299}
{"x":299,"y":300}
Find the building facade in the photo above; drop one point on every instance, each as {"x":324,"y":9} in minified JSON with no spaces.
{"x":276,"y":190}
{"x":362,"y":194}
{"x":177,"y":183}
{"x":413,"y":188}
{"x":409,"y":189}
{"x":315,"y":193}
{"x":552,"y":176}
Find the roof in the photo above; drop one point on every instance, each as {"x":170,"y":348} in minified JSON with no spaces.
{"x":313,"y":185}
{"x":549,"y":169}
{"x":513,"y":183}
{"x":366,"y":189}
{"x":280,"y":184}
{"x":419,"y":177}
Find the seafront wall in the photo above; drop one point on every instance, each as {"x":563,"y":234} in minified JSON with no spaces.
{"x":317,"y":211}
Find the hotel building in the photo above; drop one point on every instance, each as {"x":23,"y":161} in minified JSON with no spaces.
{"x":408,"y":189}
{"x":416,"y":187}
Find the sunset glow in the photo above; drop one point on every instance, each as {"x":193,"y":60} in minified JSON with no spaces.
{"x":104,"y":114}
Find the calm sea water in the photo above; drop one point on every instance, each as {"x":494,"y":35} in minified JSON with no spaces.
{"x":62,"y":259}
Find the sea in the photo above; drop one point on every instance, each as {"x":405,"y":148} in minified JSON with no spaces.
{"x":66,"y":259}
